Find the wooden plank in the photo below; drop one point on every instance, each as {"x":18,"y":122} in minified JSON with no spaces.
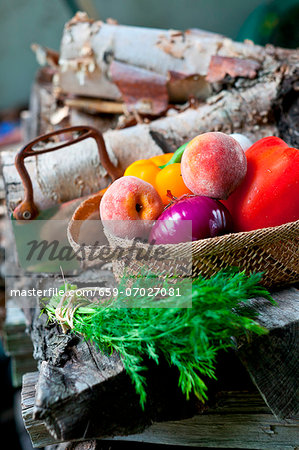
{"x":37,"y":430}
{"x":256,"y":431}
{"x":239,"y":420}
{"x":273,"y":362}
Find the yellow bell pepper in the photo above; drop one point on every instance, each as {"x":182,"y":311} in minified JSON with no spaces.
{"x":145,"y":169}
{"x":170,"y":179}
{"x":160,"y":160}
{"x":167,"y":178}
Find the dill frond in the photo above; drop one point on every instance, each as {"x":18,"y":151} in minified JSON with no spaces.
{"x":188,"y":338}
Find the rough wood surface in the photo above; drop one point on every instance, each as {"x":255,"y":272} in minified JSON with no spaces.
{"x":236,"y":431}
{"x":237,"y":420}
{"x":37,"y":430}
{"x":74,"y":379}
{"x":60,"y":176}
{"x":256,"y":431}
{"x":272,"y":361}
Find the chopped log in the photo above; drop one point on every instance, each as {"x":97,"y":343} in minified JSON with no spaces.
{"x":63,"y":175}
{"x":42,"y":104}
{"x":150,"y":69}
{"x":82,"y":393}
{"x":87,"y":176}
{"x":45,"y":55}
{"x":101,"y":122}
{"x":90,"y":52}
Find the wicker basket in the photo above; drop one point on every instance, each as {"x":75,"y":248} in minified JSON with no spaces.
{"x":274,"y":251}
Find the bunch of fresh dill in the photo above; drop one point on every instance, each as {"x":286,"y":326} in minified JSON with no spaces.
{"x":188,"y":338}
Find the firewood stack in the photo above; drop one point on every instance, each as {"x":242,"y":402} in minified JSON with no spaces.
{"x":149,"y":91}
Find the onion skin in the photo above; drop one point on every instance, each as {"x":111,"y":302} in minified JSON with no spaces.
{"x":209,"y":218}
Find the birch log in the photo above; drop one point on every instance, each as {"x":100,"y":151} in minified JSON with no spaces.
{"x":146,"y":67}
{"x":94,"y":54}
{"x":239,"y":87}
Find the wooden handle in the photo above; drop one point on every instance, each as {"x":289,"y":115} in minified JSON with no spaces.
{"x":27,"y":210}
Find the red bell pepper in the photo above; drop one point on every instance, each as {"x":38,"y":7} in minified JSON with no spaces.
{"x":269,"y":194}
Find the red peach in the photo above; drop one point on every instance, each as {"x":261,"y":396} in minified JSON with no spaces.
{"x":129,"y":206}
{"x":213,"y":165}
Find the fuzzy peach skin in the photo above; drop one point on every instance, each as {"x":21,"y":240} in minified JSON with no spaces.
{"x":213,"y":165}
{"x":129,"y":207}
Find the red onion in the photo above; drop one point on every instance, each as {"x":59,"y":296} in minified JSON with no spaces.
{"x":206,"y":218}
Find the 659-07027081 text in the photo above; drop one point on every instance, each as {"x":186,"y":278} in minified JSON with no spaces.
{"x":100,"y":291}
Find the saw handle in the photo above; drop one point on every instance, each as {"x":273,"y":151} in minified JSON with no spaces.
{"x":27,"y":210}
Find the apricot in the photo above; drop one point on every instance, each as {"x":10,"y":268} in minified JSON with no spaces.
{"x":213,"y":165}
{"x":129,"y":207}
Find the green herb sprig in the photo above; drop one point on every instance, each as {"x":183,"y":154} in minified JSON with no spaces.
{"x":188,"y":338}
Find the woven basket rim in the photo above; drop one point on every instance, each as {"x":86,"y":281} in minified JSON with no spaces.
{"x":218,"y":244}
{"x":215,"y":245}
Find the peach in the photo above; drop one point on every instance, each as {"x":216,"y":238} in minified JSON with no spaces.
{"x":129,"y":207}
{"x":213,"y":165}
